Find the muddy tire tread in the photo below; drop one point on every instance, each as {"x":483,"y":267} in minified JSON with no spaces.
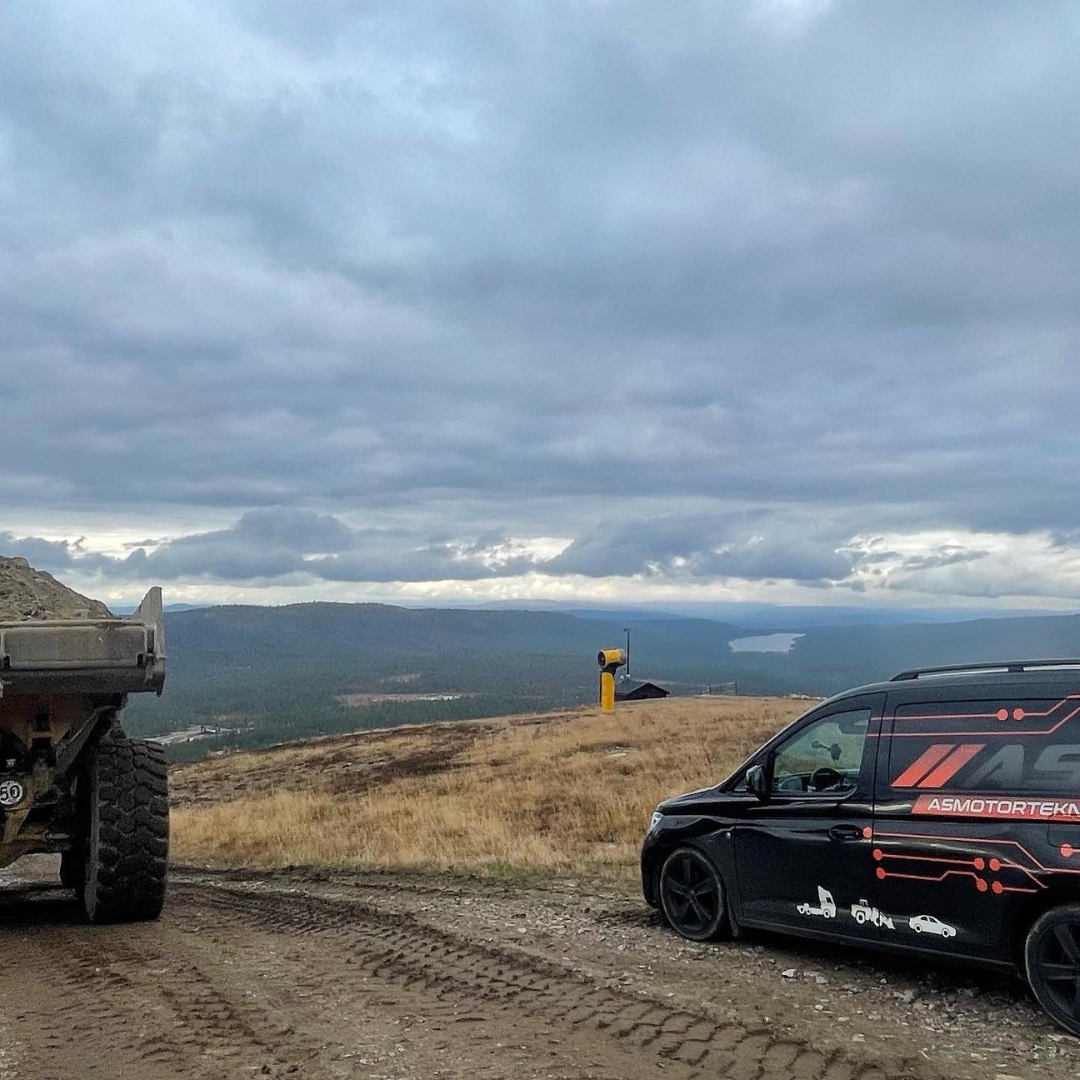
{"x":127,"y":860}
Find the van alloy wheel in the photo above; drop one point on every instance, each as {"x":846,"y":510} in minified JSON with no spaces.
{"x":1052,"y":961}
{"x":692,"y":895}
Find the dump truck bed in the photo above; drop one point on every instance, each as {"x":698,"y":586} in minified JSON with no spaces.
{"x":86,"y":656}
{"x":71,"y":780}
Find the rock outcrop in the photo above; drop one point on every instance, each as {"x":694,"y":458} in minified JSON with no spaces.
{"x":26,"y":593}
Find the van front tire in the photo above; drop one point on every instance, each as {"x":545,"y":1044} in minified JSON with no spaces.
{"x":692,"y":895}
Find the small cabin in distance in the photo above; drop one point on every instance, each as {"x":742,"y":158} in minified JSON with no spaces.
{"x":628,"y":691}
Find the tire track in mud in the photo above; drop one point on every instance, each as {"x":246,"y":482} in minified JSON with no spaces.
{"x":116,"y":1006}
{"x":198,"y":1017}
{"x":399,"y":950}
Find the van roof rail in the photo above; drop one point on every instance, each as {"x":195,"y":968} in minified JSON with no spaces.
{"x":1009,"y":667}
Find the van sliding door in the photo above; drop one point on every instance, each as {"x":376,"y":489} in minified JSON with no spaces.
{"x":969,"y":795}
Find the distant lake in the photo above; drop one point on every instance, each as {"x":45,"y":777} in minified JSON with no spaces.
{"x":765,"y":643}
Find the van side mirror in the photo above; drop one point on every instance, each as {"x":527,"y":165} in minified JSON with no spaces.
{"x":757,"y":782}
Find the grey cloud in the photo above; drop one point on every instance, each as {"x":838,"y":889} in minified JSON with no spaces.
{"x":987,"y":579}
{"x":632,"y":547}
{"x":436,"y":562}
{"x":286,"y":543}
{"x":56,"y":554}
{"x":943,"y":557}
{"x":805,"y":562}
{"x":296,"y":529}
{"x":447,"y":266}
{"x":274,"y":543}
{"x":703,"y":547}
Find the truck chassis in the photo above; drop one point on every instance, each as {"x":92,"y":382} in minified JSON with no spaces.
{"x":71,"y":781}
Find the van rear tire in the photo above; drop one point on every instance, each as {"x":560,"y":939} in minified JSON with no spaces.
{"x":127,"y":852}
{"x":1052,"y":964}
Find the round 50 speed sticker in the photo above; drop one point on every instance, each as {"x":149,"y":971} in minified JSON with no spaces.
{"x":11,"y":792}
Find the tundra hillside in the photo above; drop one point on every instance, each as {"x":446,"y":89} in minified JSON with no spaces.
{"x":567,"y":792}
{"x":261,"y":675}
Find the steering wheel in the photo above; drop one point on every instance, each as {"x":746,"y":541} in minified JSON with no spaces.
{"x":825,"y":779}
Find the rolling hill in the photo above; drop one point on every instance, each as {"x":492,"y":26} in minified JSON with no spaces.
{"x":281,"y":672}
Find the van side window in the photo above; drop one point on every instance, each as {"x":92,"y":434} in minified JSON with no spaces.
{"x":980,"y":746}
{"x":823,"y":757}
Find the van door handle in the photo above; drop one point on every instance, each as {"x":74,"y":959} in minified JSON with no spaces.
{"x":846,"y":832}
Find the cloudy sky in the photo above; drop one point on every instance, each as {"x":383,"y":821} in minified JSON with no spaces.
{"x":770,"y":300}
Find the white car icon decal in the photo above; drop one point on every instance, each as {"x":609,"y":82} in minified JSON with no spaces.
{"x":927,"y":924}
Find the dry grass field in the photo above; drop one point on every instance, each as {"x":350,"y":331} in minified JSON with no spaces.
{"x":563,"y":793}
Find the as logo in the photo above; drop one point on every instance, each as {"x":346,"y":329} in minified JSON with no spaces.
{"x":1055,"y":768}
{"x":937,"y":766}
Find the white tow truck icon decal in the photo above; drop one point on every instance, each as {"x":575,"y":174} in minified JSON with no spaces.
{"x":826,"y":908}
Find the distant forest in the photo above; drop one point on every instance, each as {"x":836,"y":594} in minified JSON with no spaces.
{"x":277,"y":674}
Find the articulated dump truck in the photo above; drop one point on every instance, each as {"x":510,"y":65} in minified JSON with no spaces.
{"x":71,"y":781}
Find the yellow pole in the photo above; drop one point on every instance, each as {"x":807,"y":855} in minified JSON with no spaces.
{"x":610,"y":660}
{"x":607,"y":692}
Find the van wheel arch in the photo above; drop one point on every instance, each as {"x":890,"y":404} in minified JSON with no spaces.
{"x":1031,"y":911}
{"x":656,"y":864}
{"x":693,"y":894}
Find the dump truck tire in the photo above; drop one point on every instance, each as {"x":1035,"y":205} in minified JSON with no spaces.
{"x":127,"y":852}
{"x":73,"y":869}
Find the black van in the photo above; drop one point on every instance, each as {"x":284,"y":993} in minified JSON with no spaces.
{"x":936,"y":813}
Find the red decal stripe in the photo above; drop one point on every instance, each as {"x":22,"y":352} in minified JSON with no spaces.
{"x":952,"y":765}
{"x":922,"y":765}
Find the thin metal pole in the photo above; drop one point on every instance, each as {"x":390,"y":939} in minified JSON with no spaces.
{"x":627,"y":631}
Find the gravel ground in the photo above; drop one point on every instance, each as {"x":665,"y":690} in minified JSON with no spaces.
{"x":396,"y":976}
{"x":905,"y":1015}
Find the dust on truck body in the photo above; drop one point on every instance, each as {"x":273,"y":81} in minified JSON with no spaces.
{"x":71,"y":781}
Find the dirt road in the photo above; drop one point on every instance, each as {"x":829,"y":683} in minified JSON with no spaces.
{"x":391,"y":976}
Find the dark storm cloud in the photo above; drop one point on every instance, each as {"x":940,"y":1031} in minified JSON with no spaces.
{"x":445,"y":267}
